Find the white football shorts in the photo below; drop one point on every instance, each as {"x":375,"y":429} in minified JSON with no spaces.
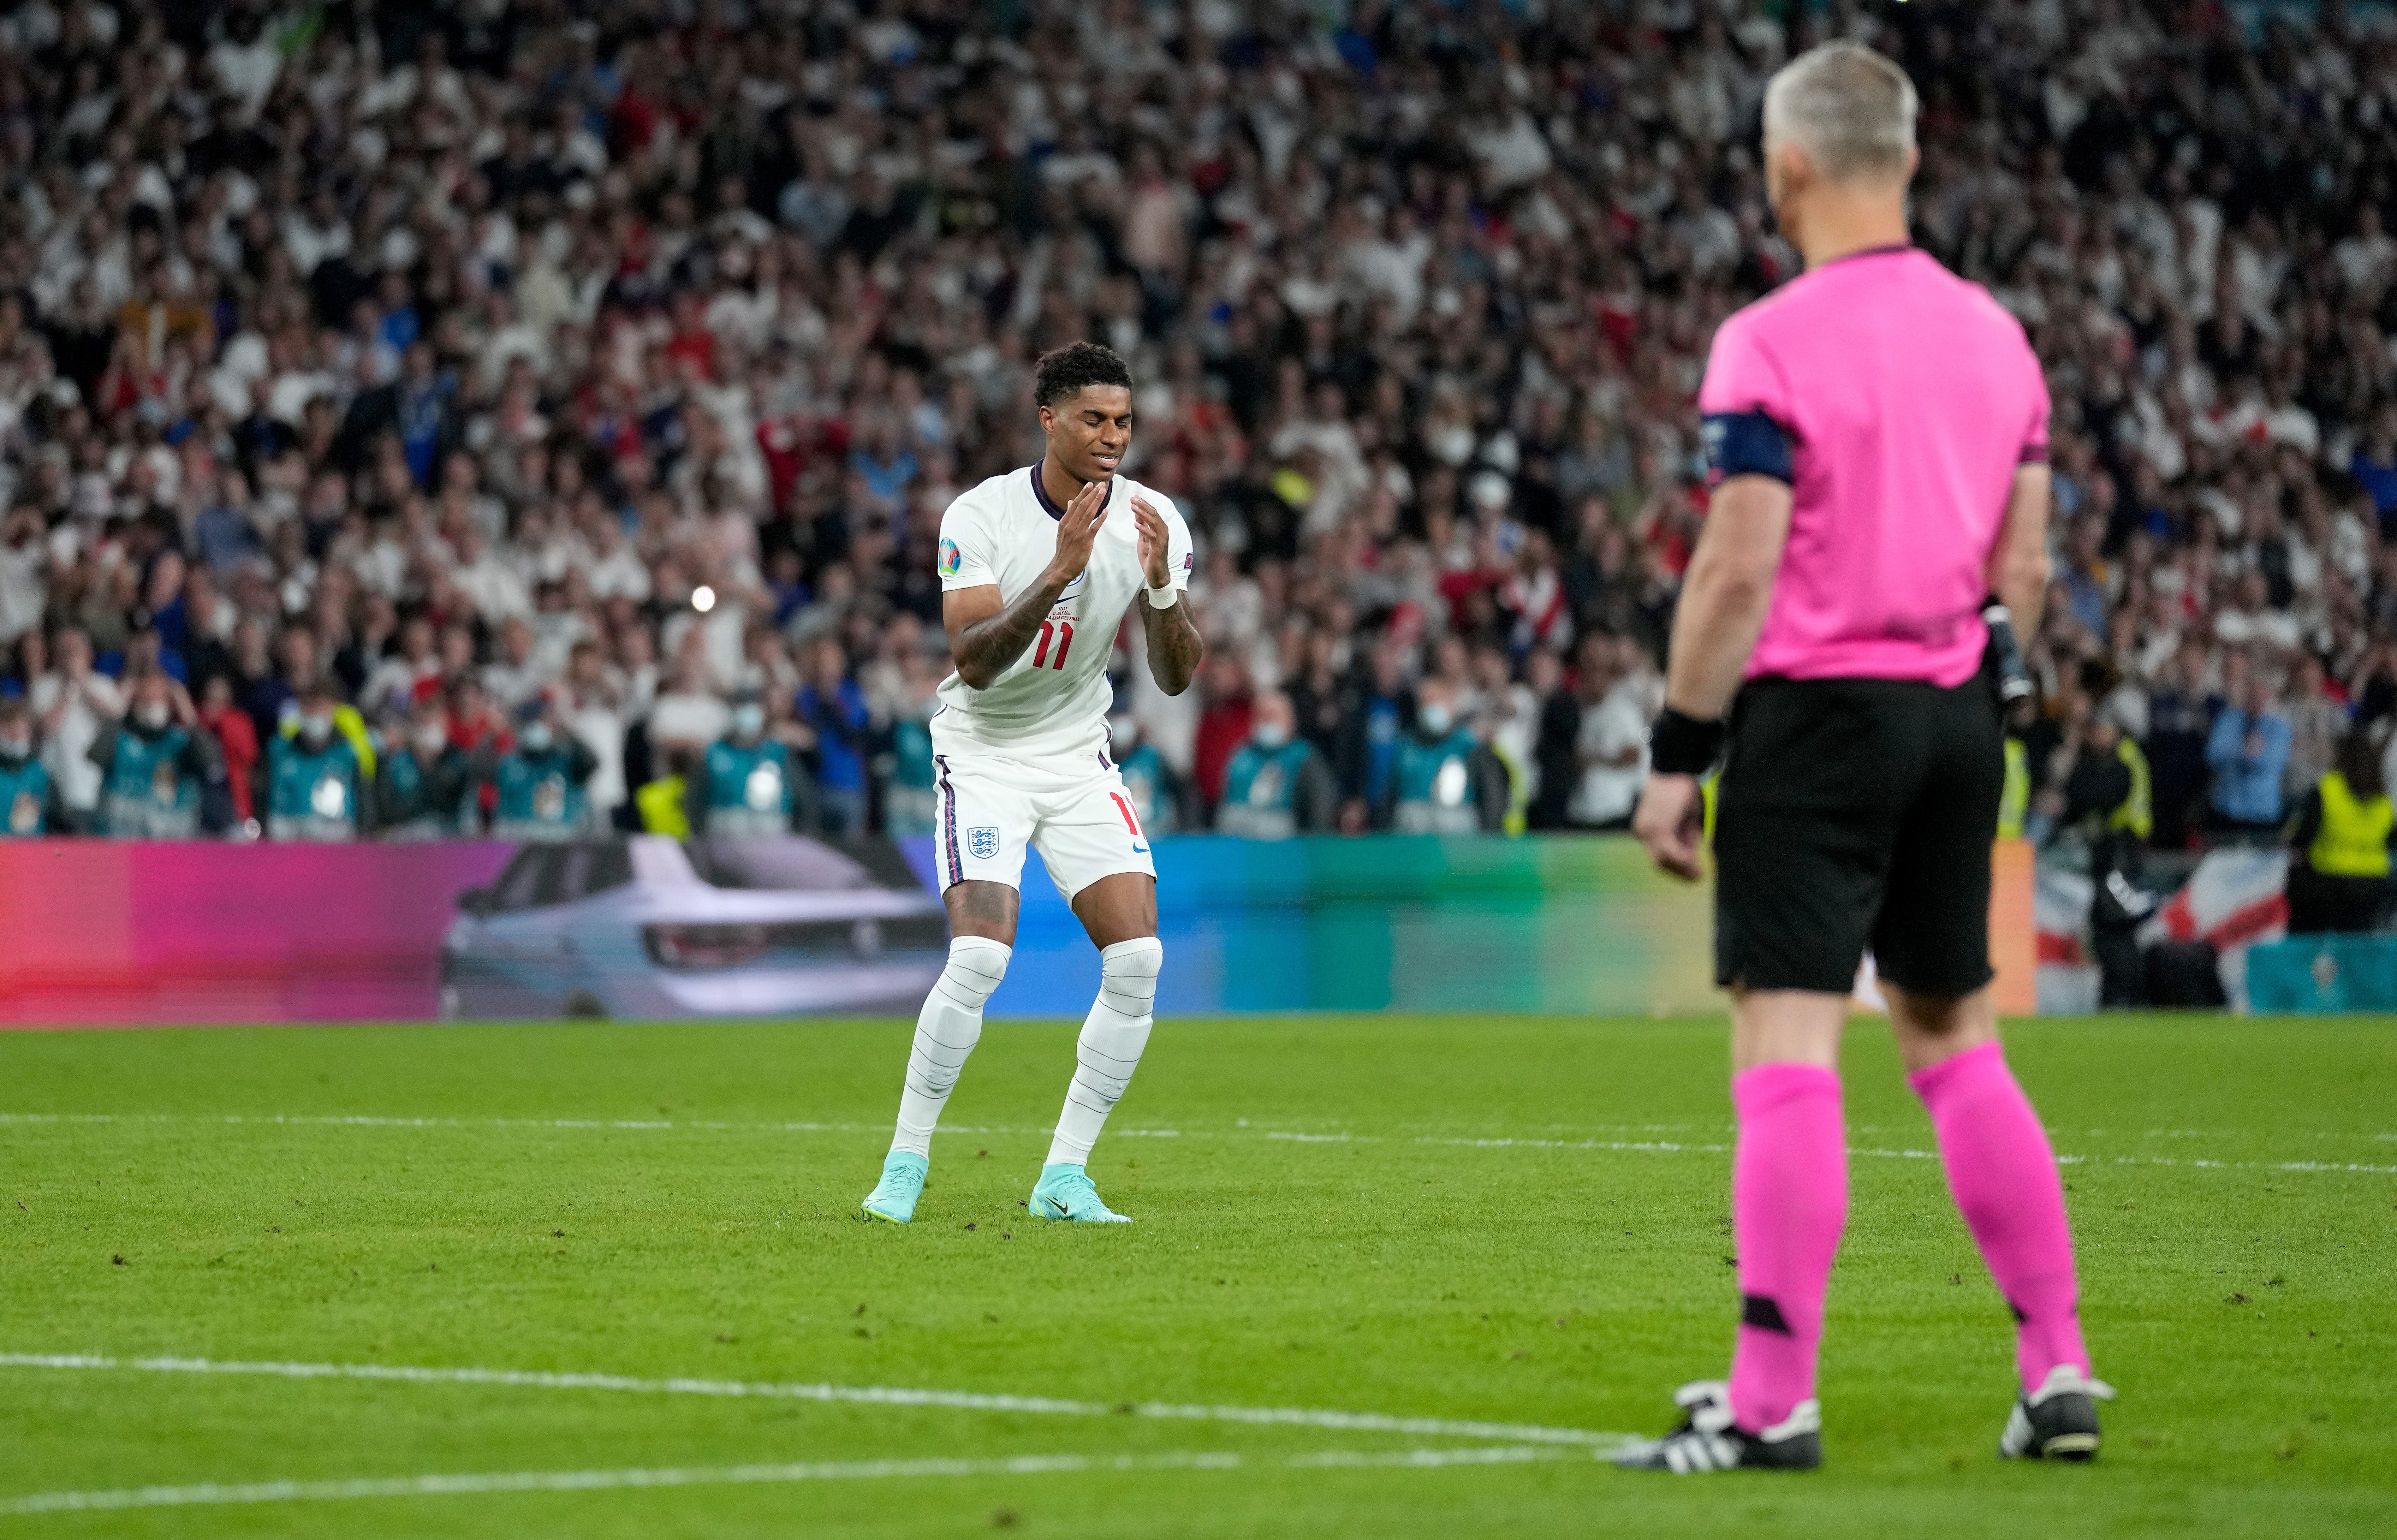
{"x":990,"y":808}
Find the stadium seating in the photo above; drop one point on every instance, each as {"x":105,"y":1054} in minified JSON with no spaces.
{"x":470,"y":356}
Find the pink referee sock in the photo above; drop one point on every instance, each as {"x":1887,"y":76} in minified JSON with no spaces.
{"x":1789,"y":1201}
{"x":2002,"y":1172}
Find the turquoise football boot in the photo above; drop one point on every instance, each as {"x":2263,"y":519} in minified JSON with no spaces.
{"x":1064,"y":1192}
{"x":894,"y":1197}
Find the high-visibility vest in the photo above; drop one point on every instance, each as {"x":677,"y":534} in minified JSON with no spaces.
{"x":2354,"y":837}
{"x":2138,"y":813}
{"x":661,"y":810}
{"x":2015,"y":799}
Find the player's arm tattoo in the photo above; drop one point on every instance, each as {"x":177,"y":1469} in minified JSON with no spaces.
{"x":1173,"y":645}
{"x":984,"y":647}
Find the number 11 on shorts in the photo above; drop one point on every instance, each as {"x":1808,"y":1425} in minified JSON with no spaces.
{"x":1139,"y":841}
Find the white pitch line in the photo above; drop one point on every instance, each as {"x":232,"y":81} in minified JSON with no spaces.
{"x":651,"y":1124}
{"x":216,"y":1493}
{"x":872,"y":1395}
{"x":1646,"y":1146}
{"x":1859,"y":1152}
{"x":1643,"y":1146}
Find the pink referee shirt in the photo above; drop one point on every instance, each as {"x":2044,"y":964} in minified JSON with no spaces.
{"x":1904,"y":397}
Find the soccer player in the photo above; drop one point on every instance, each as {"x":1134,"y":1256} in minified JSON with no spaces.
{"x":1877,"y":430}
{"x":1037,"y":568}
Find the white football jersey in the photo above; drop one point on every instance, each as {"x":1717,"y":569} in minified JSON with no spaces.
{"x":1051,"y":702}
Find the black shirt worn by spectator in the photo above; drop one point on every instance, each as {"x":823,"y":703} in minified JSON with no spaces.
{"x":2178,"y":725}
{"x":1329,"y":715}
{"x":1557,"y":752}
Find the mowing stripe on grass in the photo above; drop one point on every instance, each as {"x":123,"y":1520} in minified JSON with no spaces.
{"x":1859,"y":1152}
{"x":363,"y":1120}
{"x":873,"y":1395}
{"x":212,"y":1493}
{"x":1642,"y":1146}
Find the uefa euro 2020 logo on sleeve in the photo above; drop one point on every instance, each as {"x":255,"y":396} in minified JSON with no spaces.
{"x":951,"y":558}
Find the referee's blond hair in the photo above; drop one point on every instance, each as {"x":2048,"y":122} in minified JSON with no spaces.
{"x":1850,"y":110}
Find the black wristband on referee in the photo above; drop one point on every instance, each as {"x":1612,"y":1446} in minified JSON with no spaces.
{"x":1680,"y":744}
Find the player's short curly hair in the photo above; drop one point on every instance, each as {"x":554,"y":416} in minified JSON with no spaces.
{"x":1062,"y":372}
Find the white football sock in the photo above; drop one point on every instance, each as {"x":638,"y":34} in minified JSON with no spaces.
{"x":1113,"y":1034}
{"x":947,"y":1031}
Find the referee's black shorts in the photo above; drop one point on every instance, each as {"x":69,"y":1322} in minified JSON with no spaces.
{"x":1855,"y":812}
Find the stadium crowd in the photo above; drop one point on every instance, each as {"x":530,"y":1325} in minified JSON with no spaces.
{"x":536,"y":416}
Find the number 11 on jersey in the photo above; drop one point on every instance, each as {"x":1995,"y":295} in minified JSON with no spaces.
{"x":1065,"y":637}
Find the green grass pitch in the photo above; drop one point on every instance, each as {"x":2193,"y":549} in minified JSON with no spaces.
{"x":1500,"y":1221}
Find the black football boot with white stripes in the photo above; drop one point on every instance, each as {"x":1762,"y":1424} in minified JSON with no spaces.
{"x":2058,"y":1421}
{"x":1706,"y":1440}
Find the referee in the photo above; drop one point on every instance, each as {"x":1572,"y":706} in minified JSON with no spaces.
{"x":1877,"y":435}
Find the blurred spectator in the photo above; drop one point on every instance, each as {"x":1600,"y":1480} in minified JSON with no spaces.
{"x":2180,"y":720}
{"x":1443,"y":781}
{"x":910,"y":797}
{"x":690,"y":715}
{"x":831,"y":707}
{"x":315,"y":788}
{"x":591,"y":705}
{"x":153,"y":762}
{"x":1223,"y":726}
{"x":75,"y":708}
{"x":237,"y":744}
{"x":1510,"y":722}
{"x":1276,"y":784}
{"x":2317,"y":721}
{"x":1374,"y":732}
{"x":2247,"y":751}
{"x":742,"y":786}
{"x":538,"y":786}
{"x":274,"y":696}
{"x":2096,"y":783}
{"x":1611,"y":741}
{"x":663,"y":803}
{"x":24,"y":576}
{"x":422,"y":775}
{"x":1556,"y":751}
{"x":2341,"y":836}
{"x":28,"y":800}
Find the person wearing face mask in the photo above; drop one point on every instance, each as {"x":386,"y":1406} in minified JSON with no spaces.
{"x":28,"y":800}
{"x":1445,"y":781}
{"x":1156,"y":791}
{"x":540,"y":784}
{"x":315,"y":789}
{"x":1277,"y":785}
{"x":153,"y":765}
{"x":421,"y":785}
{"x":741,"y":787}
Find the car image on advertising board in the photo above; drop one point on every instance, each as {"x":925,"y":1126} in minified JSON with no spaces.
{"x":647,"y":928}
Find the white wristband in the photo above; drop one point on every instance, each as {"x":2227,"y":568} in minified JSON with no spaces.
{"x":1173,"y":597}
